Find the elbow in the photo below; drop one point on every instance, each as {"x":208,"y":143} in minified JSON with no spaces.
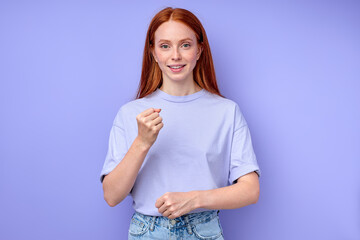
{"x":111,"y":204}
{"x":256,"y":196}
{"x":110,"y":198}
{"x":113,"y":200}
{"x":110,"y":201}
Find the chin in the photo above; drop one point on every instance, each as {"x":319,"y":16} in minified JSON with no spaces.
{"x":178,"y":79}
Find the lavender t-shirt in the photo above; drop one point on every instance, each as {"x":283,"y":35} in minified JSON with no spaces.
{"x":205,"y":143}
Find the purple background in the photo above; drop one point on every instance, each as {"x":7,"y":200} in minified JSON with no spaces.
{"x":67,"y":66}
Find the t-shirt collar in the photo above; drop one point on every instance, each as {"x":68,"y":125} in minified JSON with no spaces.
{"x":173,"y":98}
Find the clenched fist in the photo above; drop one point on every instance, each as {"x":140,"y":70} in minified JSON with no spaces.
{"x":149,"y":124}
{"x":176,"y":204}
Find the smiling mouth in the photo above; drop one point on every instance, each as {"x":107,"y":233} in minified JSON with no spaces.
{"x":177,"y":66}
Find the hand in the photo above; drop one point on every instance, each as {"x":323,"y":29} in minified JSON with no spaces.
{"x":176,"y":204}
{"x":149,"y":124}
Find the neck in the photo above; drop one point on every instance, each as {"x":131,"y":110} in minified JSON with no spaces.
{"x":180,"y":88}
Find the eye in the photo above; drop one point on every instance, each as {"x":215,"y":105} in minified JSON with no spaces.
{"x":186,"y":45}
{"x":164,"y":46}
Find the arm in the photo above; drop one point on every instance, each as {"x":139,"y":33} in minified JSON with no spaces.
{"x":244,"y":192}
{"x":118,"y":183}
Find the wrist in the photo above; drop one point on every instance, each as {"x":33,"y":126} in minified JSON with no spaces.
{"x":198,"y":199}
{"x":141,"y":145}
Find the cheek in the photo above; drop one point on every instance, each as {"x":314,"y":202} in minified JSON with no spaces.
{"x":161,"y":57}
{"x":192,"y":60}
{"x":192,"y":56}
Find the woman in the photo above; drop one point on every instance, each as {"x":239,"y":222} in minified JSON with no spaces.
{"x":189,"y":152}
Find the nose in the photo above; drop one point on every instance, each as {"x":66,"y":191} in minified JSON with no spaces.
{"x":176,"y":54}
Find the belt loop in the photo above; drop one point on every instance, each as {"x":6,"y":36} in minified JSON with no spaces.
{"x":188,"y":226}
{"x":152,"y":223}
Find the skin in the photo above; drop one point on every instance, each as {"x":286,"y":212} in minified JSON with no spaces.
{"x":149,"y":125}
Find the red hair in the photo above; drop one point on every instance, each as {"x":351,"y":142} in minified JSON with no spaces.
{"x":203,"y":73}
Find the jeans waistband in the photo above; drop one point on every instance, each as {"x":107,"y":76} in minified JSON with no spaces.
{"x":192,"y":218}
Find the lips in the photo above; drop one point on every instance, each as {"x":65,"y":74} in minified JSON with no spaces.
{"x":178,"y":66}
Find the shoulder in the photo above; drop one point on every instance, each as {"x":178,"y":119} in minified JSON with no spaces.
{"x":228,"y":108}
{"x":129,"y":110}
{"x":222,"y":102}
{"x":128,"y":107}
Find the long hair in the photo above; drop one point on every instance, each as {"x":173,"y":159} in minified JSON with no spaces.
{"x":203,"y":73}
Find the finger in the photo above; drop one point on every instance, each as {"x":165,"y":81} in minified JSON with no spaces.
{"x":167,"y":213}
{"x":163,"y":208}
{"x":157,"y":110}
{"x":171,"y":216}
{"x":151,"y":116}
{"x":176,"y":214}
{"x":159,"y":202}
{"x":147,"y":112}
{"x":157,"y":120}
{"x":159,"y":126}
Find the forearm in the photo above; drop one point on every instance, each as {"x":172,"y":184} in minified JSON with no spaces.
{"x":118,"y":183}
{"x":234,"y":196}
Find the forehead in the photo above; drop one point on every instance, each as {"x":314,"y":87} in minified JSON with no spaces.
{"x":174,"y":31}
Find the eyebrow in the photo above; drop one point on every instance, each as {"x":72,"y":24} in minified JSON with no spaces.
{"x":164,"y":40}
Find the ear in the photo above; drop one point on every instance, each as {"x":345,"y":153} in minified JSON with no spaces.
{"x":200,"y":49}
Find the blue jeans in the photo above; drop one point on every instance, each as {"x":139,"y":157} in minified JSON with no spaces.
{"x":203,"y":225}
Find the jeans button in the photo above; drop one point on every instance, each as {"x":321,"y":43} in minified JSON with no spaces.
{"x":173,"y":222}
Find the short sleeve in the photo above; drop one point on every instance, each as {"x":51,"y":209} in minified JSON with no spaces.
{"x":117,"y":147}
{"x":242,"y":159}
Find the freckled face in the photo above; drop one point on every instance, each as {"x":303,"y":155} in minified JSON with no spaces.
{"x":176,"y":51}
